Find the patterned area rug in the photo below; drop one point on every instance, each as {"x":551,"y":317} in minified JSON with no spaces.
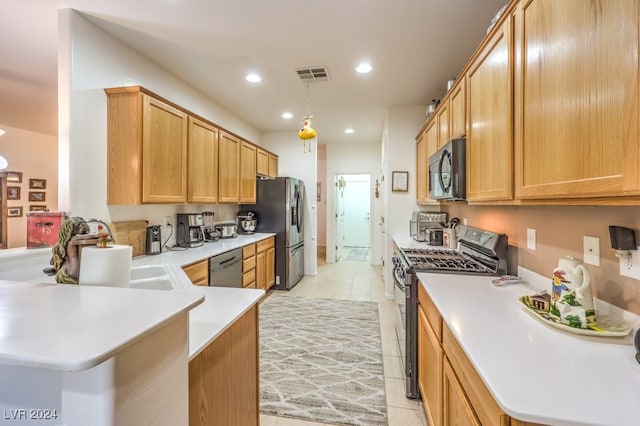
{"x":321,"y":360}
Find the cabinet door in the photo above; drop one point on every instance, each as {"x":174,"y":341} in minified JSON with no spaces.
{"x":429,"y":370}
{"x":422,"y":170}
{"x":198,"y":272}
{"x":457,"y":409}
{"x":490,"y":137}
{"x":578,"y":90}
{"x":458,"y":106}
{"x":228,"y":168}
{"x":271,"y":267}
{"x":164,"y":153}
{"x":203,"y":162}
{"x":261,"y":270}
{"x":262,"y":162}
{"x":247,"y":173}
{"x":443,"y":123}
{"x":273,"y":165}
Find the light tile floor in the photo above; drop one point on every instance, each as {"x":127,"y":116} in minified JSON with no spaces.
{"x":353,"y":280}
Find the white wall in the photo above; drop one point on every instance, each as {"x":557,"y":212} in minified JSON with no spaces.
{"x":89,"y":61}
{"x":399,"y":148}
{"x":34,"y":155}
{"x":347,"y":159}
{"x":293,"y":162}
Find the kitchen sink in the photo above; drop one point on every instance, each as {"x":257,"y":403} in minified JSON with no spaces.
{"x":147,"y":271}
{"x":159,"y":283}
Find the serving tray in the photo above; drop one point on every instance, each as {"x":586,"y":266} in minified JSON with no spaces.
{"x":606,"y":326}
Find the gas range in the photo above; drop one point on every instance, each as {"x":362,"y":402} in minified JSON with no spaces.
{"x":479,"y":253}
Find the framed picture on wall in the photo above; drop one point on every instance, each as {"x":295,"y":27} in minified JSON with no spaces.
{"x":13,"y":192}
{"x":14,"y":211}
{"x":14,"y":177}
{"x":400,"y":181}
{"x":37,"y":196}
{"x":37,"y":208}
{"x":37,"y":183}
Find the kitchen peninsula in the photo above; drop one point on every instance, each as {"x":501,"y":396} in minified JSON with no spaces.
{"x":128,"y":356}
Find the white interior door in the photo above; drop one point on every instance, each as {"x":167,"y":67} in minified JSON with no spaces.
{"x":357,"y":211}
{"x":339,"y":215}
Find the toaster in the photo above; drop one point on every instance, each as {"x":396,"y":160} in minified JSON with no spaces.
{"x":422,"y":221}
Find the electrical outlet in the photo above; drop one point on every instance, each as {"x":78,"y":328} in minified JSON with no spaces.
{"x":531,"y":239}
{"x":591,"y":247}
{"x":630,"y":267}
{"x":464,"y":220}
{"x":167,"y":220}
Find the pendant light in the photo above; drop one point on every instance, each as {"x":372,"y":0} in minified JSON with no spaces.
{"x":307,"y":133}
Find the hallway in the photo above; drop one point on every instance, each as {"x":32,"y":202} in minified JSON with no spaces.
{"x":359,"y":281}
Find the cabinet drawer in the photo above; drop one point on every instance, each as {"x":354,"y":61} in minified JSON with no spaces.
{"x":248,"y":251}
{"x":249,"y":264}
{"x":430,"y":311}
{"x":198,"y":272}
{"x":264,"y":244}
{"x":484,"y":406}
{"x":249,"y":278}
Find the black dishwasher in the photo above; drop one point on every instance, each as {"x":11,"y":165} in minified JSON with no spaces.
{"x":225,"y":269}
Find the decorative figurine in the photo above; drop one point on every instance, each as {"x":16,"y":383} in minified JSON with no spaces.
{"x":65,"y":256}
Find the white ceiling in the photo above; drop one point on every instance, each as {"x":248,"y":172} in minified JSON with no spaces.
{"x":414,"y":46}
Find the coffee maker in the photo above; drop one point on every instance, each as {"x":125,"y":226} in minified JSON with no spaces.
{"x":189,"y":230}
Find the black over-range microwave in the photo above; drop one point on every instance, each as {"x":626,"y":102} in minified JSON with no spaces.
{"x":447,"y":177}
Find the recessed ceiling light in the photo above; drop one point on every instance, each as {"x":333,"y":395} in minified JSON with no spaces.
{"x":2,"y":132}
{"x":287,"y":115}
{"x":364,"y":68}
{"x":348,"y":131}
{"x":253,"y":78}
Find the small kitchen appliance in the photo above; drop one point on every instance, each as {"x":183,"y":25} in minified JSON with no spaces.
{"x":479,"y":253}
{"x":189,"y":230}
{"x":247,"y":222}
{"x":447,"y":172}
{"x":153,"y":240}
{"x":227,"y":230}
{"x":421,"y":221}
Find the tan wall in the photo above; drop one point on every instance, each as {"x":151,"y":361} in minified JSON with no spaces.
{"x":560,"y":232}
{"x":35,"y":155}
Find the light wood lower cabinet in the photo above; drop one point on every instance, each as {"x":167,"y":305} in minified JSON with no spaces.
{"x":198,"y":272}
{"x":223,"y":378}
{"x":457,"y":409}
{"x":452,"y":391}
{"x":249,"y":266}
{"x":265,"y":263}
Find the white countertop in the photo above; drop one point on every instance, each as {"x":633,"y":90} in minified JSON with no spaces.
{"x":72,"y":328}
{"x":535,"y":372}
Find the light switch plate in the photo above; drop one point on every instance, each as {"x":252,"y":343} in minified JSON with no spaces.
{"x":591,"y":250}
{"x":531,"y":239}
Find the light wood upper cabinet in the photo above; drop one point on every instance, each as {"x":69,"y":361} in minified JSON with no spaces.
{"x":458,"y":109}
{"x":164,"y":152}
{"x":443,"y":123}
{"x":422,"y":170}
{"x":273,"y":165}
{"x":577,"y":87}
{"x":262,"y":162}
{"x":228,"y":168}
{"x":146,"y":149}
{"x":203,"y":162}
{"x":247,"y":173}
{"x":489,"y":131}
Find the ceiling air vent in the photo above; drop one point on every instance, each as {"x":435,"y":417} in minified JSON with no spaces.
{"x":313,"y":74}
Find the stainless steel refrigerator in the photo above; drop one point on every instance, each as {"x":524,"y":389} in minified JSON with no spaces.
{"x":279,"y":209}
